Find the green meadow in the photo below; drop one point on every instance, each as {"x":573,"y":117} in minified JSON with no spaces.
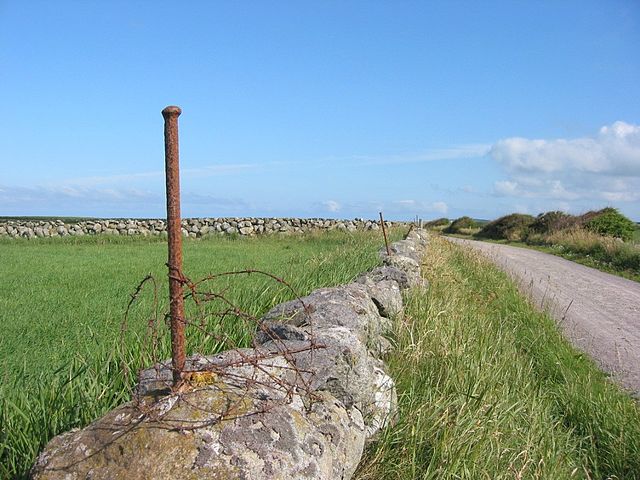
{"x":65,"y":357}
{"x":487,"y":386}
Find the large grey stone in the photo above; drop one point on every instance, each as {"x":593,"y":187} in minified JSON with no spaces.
{"x":385,"y":294}
{"x":340,"y":364}
{"x":348,"y":306}
{"x":419,"y":237}
{"x":405,"y":248}
{"x":217,"y":431}
{"x":384,"y":273}
{"x":408,"y":265}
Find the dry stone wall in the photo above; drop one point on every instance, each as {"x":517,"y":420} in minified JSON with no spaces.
{"x":301,"y":404}
{"x":191,"y":227}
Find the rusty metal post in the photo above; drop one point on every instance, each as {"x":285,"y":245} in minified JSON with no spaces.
{"x":384,"y":232}
{"x":174,"y":228}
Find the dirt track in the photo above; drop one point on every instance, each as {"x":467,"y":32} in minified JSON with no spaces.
{"x":599,"y":312}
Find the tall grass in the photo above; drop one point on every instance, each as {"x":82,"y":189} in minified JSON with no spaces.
{"x":62,"y":362}
{"x":595,"y":249}
{"x":489,"y":389}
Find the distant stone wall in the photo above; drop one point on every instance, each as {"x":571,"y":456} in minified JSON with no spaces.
{"x":191,"y":227}
{"x":301,"y":404}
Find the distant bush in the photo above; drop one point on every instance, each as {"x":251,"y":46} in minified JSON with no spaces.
{"x":460,"y":224}
{"x":594,"y":236}
{"x":587,"y":217}
{"x":514,"y":227}
{"x":438,"y":222}
{"x":551,"y":222}
{"x":612,"y":223}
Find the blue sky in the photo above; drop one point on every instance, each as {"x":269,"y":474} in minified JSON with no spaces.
{"x":332,"y":109}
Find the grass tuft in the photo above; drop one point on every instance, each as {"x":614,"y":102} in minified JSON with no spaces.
{"x":488,"y":388}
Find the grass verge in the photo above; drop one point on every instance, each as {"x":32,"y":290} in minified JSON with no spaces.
{"x":489,"y":389}
{"x":607,"y":253}
{"x":62,"y":301}
{"x":592,"y":250}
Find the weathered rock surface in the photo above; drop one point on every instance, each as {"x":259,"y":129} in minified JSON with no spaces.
{"x":348,"y":306}
{"x":261,"y":435}
{"x":333,"y":360}
{"x":342,"y":366}
{"x":379,"y":274}
{"x":300,"y":405}
{"x":408,"y":265}
{"x":385,"y":294}
{"x":405,"y":256}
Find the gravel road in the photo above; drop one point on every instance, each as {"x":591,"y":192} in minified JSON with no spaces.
{"x":598,"y":312}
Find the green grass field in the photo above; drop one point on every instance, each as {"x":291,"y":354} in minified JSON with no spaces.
{"x":487,"y":386}
{"x":489,"y":389}
{"x":62,"y":303}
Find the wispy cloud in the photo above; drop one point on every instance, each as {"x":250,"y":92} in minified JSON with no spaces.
{"x":128,"y":193}
{"x":403,"y":208}
{"x":331,"y":205}
{"x":222,"y":169}
{"x":453,"y":153}
{"x":93,"y":201}
{"x":505,"y":187}
{"x":208,"y":200}
{"x":28,"y":195}
{"x":200,"y":172}
{"x":418,"y":207}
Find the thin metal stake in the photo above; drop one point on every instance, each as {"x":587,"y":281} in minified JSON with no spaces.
{"x":384,"y":232}
{"x":174,"y":228}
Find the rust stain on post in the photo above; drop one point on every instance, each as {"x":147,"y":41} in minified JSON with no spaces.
{"x":384,"y":232}
{"x":174,"y":228}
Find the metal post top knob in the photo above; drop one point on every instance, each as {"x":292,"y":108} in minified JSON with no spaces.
{"x":171,"y":110}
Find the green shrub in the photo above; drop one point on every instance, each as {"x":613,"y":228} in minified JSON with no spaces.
{"x":551,"y":222}
{"x":438,"y":222}
{"x":612,"y":223}
{"x":590,"y":215}
{"x":514,"y":227}
{"x":462,"y":223}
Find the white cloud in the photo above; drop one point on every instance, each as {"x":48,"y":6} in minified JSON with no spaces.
{"x":615,"y":150}
{"x":505,"y":187}
{"x":559,"y":192}
{"x":440,"y":207}
{"x":332,"y":205}
{"x":621,"y":196}
{"x":590,"y":171}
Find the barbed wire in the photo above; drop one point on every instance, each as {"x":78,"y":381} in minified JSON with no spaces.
{"x":240,"y":370}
